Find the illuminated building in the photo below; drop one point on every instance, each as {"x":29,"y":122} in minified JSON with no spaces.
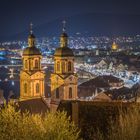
{"x":114,"y":47}
{"x":63,"y":80}
{"x":31,"y":76}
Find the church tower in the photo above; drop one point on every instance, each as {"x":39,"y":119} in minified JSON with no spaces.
{"x":31,"y":76}
{"x":63,"y":80}
{"x":114,"y":47}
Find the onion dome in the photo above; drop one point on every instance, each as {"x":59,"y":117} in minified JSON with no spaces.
{"x":31,"y":49}
{"x":63,"y":50}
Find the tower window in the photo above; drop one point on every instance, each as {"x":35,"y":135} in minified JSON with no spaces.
{"x":37,"y":88}
{"x":63,"y":66}
{"x":57,"y":93}
{"x":31,"y":63}
{"x":26,"y":64}
{"x":70,"y":93}
{"x":58,"y":66}
{"x":36,"y":63}
{"x":69,"y":66}
{"x":25,"y":88}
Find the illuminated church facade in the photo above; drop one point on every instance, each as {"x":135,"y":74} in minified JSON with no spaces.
{"x":63,"y":79}
{"x":32,"y":77}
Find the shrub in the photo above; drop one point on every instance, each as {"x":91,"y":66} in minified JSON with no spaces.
{"x":128,"y":125}
{"x":52,"y":126}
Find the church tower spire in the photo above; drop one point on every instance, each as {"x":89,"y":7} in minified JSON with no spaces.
{"x":64,"y":26}
{"x":31,"y":28}
{"x":31,"y":38}
{"x":32,"y":76}
{"x":64,"y":80}
{"x":64,"y":36}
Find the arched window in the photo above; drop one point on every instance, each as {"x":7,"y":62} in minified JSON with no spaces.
{"x":69,"y":66}
{"x":25,"y":88}
{"x":57,"y":93}
{"x":63,"y":67}
{"x":37,"y":88}
{"x":36,"y":63}
{"x":32,"y":63}
{"x":26,"y":64}
{"x":70,"y":93}
{"x":58,"y":66}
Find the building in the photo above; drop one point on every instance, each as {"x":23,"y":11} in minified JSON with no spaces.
{"x":102,"y":97}
{"x":63,"y":80}
{"x":97,"y":85}
{"x":114,"y":47}
{"x":32,"y":76}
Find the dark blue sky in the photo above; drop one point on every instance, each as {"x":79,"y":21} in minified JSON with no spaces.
{"x":16,"y":15}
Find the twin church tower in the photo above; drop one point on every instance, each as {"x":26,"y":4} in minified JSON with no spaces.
{"x":63,"y":79}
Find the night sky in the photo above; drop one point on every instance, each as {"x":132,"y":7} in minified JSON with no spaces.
{"x":89,"y":17}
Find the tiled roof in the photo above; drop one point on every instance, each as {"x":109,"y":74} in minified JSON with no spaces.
{"x":101,"y":81}
{"x":102,"y":97}
{"x":33,"y":106}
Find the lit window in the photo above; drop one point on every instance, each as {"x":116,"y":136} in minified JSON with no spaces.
{"x":25,"y":88}
{"x":63,"y":66}
{"x":37,"y":88}
{"x":70,"y":93}
{"x":36,"y":63}
{"x":26,"y":64}
{"x":69,"y":66}
{"x":58,"y":66}
{"x":57,"y":93}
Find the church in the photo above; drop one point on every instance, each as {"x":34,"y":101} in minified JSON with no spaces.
{"x":64,"y":80}
{"x":31,"y":76}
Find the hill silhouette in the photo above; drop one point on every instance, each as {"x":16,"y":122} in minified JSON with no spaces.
{"x":90,"y":24}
